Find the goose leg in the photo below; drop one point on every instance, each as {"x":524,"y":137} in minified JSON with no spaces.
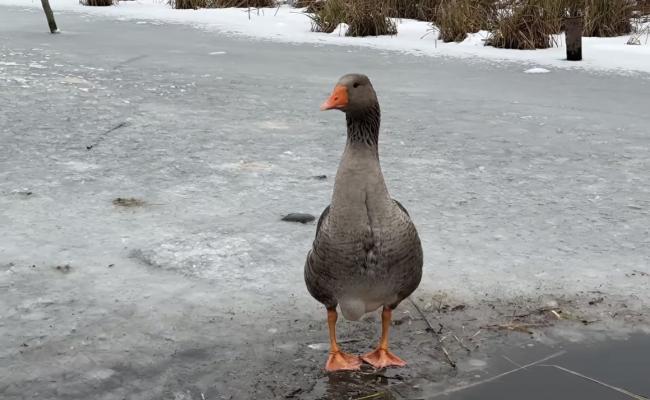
{"x":381,"y":357}
{"x":338,"y":360}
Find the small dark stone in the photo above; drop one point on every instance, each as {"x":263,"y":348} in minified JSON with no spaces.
{"x":596,"y":301}
{"x":63,"y":268}
{"x":320,"y":177}
{"x":459,"y":307}
{"x":111,"y":265}
{"x":298,"y":217}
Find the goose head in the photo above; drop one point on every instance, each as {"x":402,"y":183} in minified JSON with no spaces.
{"x":352,"y":94}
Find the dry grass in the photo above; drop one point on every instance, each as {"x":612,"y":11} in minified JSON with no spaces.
{"x":305,"y":3}
{"x":608,"y":17}
{"x":195,"y":4}
{"x":642,"y":8}
{"x":422,"y":10}
{"x":327,"y":18}
{"x":244,"y":3}
{"x":364,"y":18}
{"x":523,"y":25}
{"x":456,"y":18}
{"x":187,"y":4}
{"x":368,"y":18}
{"x":98,"y":3}
{"x":310,"y":6}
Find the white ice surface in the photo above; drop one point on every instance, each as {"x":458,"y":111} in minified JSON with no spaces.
{"x":287,"y":24}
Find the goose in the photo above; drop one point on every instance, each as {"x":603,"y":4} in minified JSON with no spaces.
{"x":367,"y":253}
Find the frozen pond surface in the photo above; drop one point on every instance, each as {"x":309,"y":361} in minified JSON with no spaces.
{"x":531,"y":193}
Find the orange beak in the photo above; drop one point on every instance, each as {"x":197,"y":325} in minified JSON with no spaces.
{"x":337,"y":100}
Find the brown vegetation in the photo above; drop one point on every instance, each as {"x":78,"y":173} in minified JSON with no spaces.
{"x":364,"y":18}
{"x":97,"y":3}
{"x":195,"y":4}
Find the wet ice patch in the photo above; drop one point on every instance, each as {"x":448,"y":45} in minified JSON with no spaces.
{"x":536,"y":70}
{"x":217,"y":53}
{"x":204,"y":255}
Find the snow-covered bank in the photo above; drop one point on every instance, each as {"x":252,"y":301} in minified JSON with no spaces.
{"x":290,"y":25}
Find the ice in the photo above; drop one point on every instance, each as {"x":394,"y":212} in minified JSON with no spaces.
{"x":522,"y":201}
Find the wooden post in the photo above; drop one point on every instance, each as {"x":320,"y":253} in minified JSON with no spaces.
{"x":50,"y":16}
{"x":573,"y":29}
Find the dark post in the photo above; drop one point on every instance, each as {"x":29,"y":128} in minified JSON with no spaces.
{"x":50,"y":16}
{"x":573,"y":29}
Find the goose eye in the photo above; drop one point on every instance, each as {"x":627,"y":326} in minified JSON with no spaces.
{"x":356,"y":85}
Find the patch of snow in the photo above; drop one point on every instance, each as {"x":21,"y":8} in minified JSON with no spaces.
{"x":205,"y":255}
{"x":537,"y":70}
{"x":413,"y":37}
{"x":215,"y":53}
{"x":319,"y":346}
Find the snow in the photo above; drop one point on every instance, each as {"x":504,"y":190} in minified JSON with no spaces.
{"x":537,"y":70}
{"x":415,"y":37}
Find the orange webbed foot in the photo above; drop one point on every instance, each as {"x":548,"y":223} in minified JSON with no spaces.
{"x":340,"y":361}
{"x":382,"y":358}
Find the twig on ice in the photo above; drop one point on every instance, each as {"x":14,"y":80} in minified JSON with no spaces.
{"x":435,"y":334}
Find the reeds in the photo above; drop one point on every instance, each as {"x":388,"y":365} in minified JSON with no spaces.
{"x":456,"y":18}
{"x":195,"y":4}
{"x":187,"y":4}
{"x":97,"y":3}
{"x":363,"y":17}
{"x":608,"y":17}
{"x":244,"y":3}
{"x":368,"y":18}
{"x":311,"y":5}
{"x":327,"y":18}
{"x":422,"y":10}
{"x":524,"y":25}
